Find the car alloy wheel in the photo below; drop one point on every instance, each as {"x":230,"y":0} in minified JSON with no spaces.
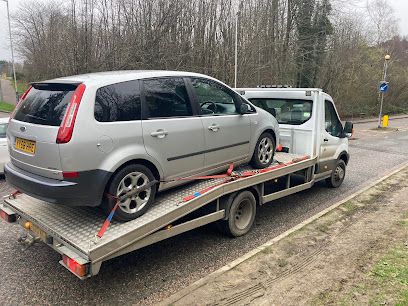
{"x":132,"y":181}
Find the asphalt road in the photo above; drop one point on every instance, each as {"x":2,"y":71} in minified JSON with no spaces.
{"x":148,"y":275}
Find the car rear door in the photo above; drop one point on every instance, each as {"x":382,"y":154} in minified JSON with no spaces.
{"x":172,"y":130}
{"x":227,"y":133}
{"x":32,"y":133}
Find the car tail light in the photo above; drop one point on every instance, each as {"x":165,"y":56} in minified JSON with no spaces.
{"x":75,"y":267}
{"x":20,"y":102}
{"x":67,"y":126}
{"x":10,"y":218}
{"x":70,"y":174}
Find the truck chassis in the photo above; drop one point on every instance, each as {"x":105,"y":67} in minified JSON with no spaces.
{"x":71,"y":231}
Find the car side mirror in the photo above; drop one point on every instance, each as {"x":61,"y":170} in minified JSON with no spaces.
{"x":273,"y":112}
{"x":244,"y":109}
{"x":348,"y":129}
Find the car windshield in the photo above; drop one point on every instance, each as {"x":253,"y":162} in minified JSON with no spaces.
{"x":3,"y":130}
{"x":287,"y":111}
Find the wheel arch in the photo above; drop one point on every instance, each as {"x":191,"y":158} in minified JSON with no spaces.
{"x":344,"y":156}
{"x":272,"y":132}
{"x":226,"y":201}
{"x":143,"y":162}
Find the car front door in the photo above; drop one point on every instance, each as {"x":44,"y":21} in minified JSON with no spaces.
{"x":331,"y":137}
{"x":227,"y":133}
{"x":172,"y":132}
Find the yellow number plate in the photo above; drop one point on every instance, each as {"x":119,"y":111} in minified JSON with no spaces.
{"x":25,"y":145}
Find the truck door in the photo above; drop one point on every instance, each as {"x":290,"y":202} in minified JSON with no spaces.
{"x":331,"y":137}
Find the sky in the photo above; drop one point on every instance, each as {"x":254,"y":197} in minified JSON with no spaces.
{"x":400,"y":7}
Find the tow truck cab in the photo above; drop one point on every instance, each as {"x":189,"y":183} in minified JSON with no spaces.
{"x":309,"y":124}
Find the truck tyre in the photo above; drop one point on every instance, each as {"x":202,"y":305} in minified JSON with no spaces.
{"x":241,"y":215}
{"x":264,"y":151}
{"x":338,"y":175}
{"x":129,"y":178}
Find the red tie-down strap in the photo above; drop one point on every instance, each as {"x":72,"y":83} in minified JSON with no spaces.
{"x":229,"y":173}
{"x":108,"y":220}
{"x":14,"y":194}
{"x":235,"y":176}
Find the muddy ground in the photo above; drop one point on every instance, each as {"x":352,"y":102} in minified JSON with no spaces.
{"x":357,"y":254}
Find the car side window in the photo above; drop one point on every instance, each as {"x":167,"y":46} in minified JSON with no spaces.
{"x":118,"y":102}
{"x":213,"y":98}
{"x":166,"y":98}
{"x":333,"y":125}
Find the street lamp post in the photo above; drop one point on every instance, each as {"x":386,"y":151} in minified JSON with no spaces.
{"x":386,"y":59}
{"x":236,"y":51}
{"x":12,"y":50}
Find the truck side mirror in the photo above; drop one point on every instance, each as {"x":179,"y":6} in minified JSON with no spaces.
{"x":348,"y":129}
{"x":273,"y":112}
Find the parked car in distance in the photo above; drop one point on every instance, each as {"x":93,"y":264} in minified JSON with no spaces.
{"x":4,"y":154}
{"x":76,"y":139}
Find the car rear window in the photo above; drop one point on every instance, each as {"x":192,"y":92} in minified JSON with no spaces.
{"x":287,"y":111}
{"x":45,"y":104}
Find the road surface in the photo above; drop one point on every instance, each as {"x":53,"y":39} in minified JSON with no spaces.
{"x":148,"y":275}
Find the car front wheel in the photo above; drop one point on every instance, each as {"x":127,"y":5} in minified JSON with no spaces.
{"x":264,"y":151}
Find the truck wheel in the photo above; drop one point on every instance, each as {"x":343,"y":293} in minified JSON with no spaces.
{"x":338,"y":175}
{"x":241,"y":215}
{"x":130,"y":178}
{"x":264,"y":151}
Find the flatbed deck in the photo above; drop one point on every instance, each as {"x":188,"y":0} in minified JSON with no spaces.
{"x":74,"y":228}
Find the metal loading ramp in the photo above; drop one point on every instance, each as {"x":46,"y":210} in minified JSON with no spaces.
{"x":76,"y":227}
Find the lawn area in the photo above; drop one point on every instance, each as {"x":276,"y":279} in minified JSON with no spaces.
{"x":6,"y":107}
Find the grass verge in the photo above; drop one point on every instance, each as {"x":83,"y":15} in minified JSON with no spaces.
{"x":6,"y":107}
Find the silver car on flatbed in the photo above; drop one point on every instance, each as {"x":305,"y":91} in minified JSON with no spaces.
{"x":77,"y":139}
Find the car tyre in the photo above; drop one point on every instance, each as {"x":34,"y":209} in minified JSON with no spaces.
{"x":338,"y":175}
{"x":131,"y":177}
{"x":264,"y":151}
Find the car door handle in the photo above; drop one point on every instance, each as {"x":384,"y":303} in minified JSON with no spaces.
{"x":159,"y":134}
{"x":214,"y":127}
{"x":325,"y":140}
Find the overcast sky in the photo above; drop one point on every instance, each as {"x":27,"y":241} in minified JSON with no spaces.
{"x":400,"y":8}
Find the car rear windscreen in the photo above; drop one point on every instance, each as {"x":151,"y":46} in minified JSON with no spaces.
{"x":45,"y":104}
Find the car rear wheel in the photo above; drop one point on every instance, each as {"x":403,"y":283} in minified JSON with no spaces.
{"x":138,"y":180}
{"x":264,"y":151}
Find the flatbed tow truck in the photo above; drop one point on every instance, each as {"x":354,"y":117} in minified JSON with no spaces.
{"x":230,"y":200}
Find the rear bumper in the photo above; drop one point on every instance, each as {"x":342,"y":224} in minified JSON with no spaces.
{"x":87,"y":190}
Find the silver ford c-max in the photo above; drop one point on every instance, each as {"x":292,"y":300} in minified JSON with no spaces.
{"x":77,"y":139}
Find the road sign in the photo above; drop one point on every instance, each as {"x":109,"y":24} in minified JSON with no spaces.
{"x":384,"y":87}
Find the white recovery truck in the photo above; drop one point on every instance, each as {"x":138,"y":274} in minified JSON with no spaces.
{"x":314,"y":148}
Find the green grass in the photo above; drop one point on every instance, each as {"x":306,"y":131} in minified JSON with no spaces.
{"x":392,"y":274}
{"x":6,"y":107}
{"x":21,"y":87}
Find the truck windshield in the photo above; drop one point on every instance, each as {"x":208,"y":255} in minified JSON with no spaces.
{"x":287,"y":111}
